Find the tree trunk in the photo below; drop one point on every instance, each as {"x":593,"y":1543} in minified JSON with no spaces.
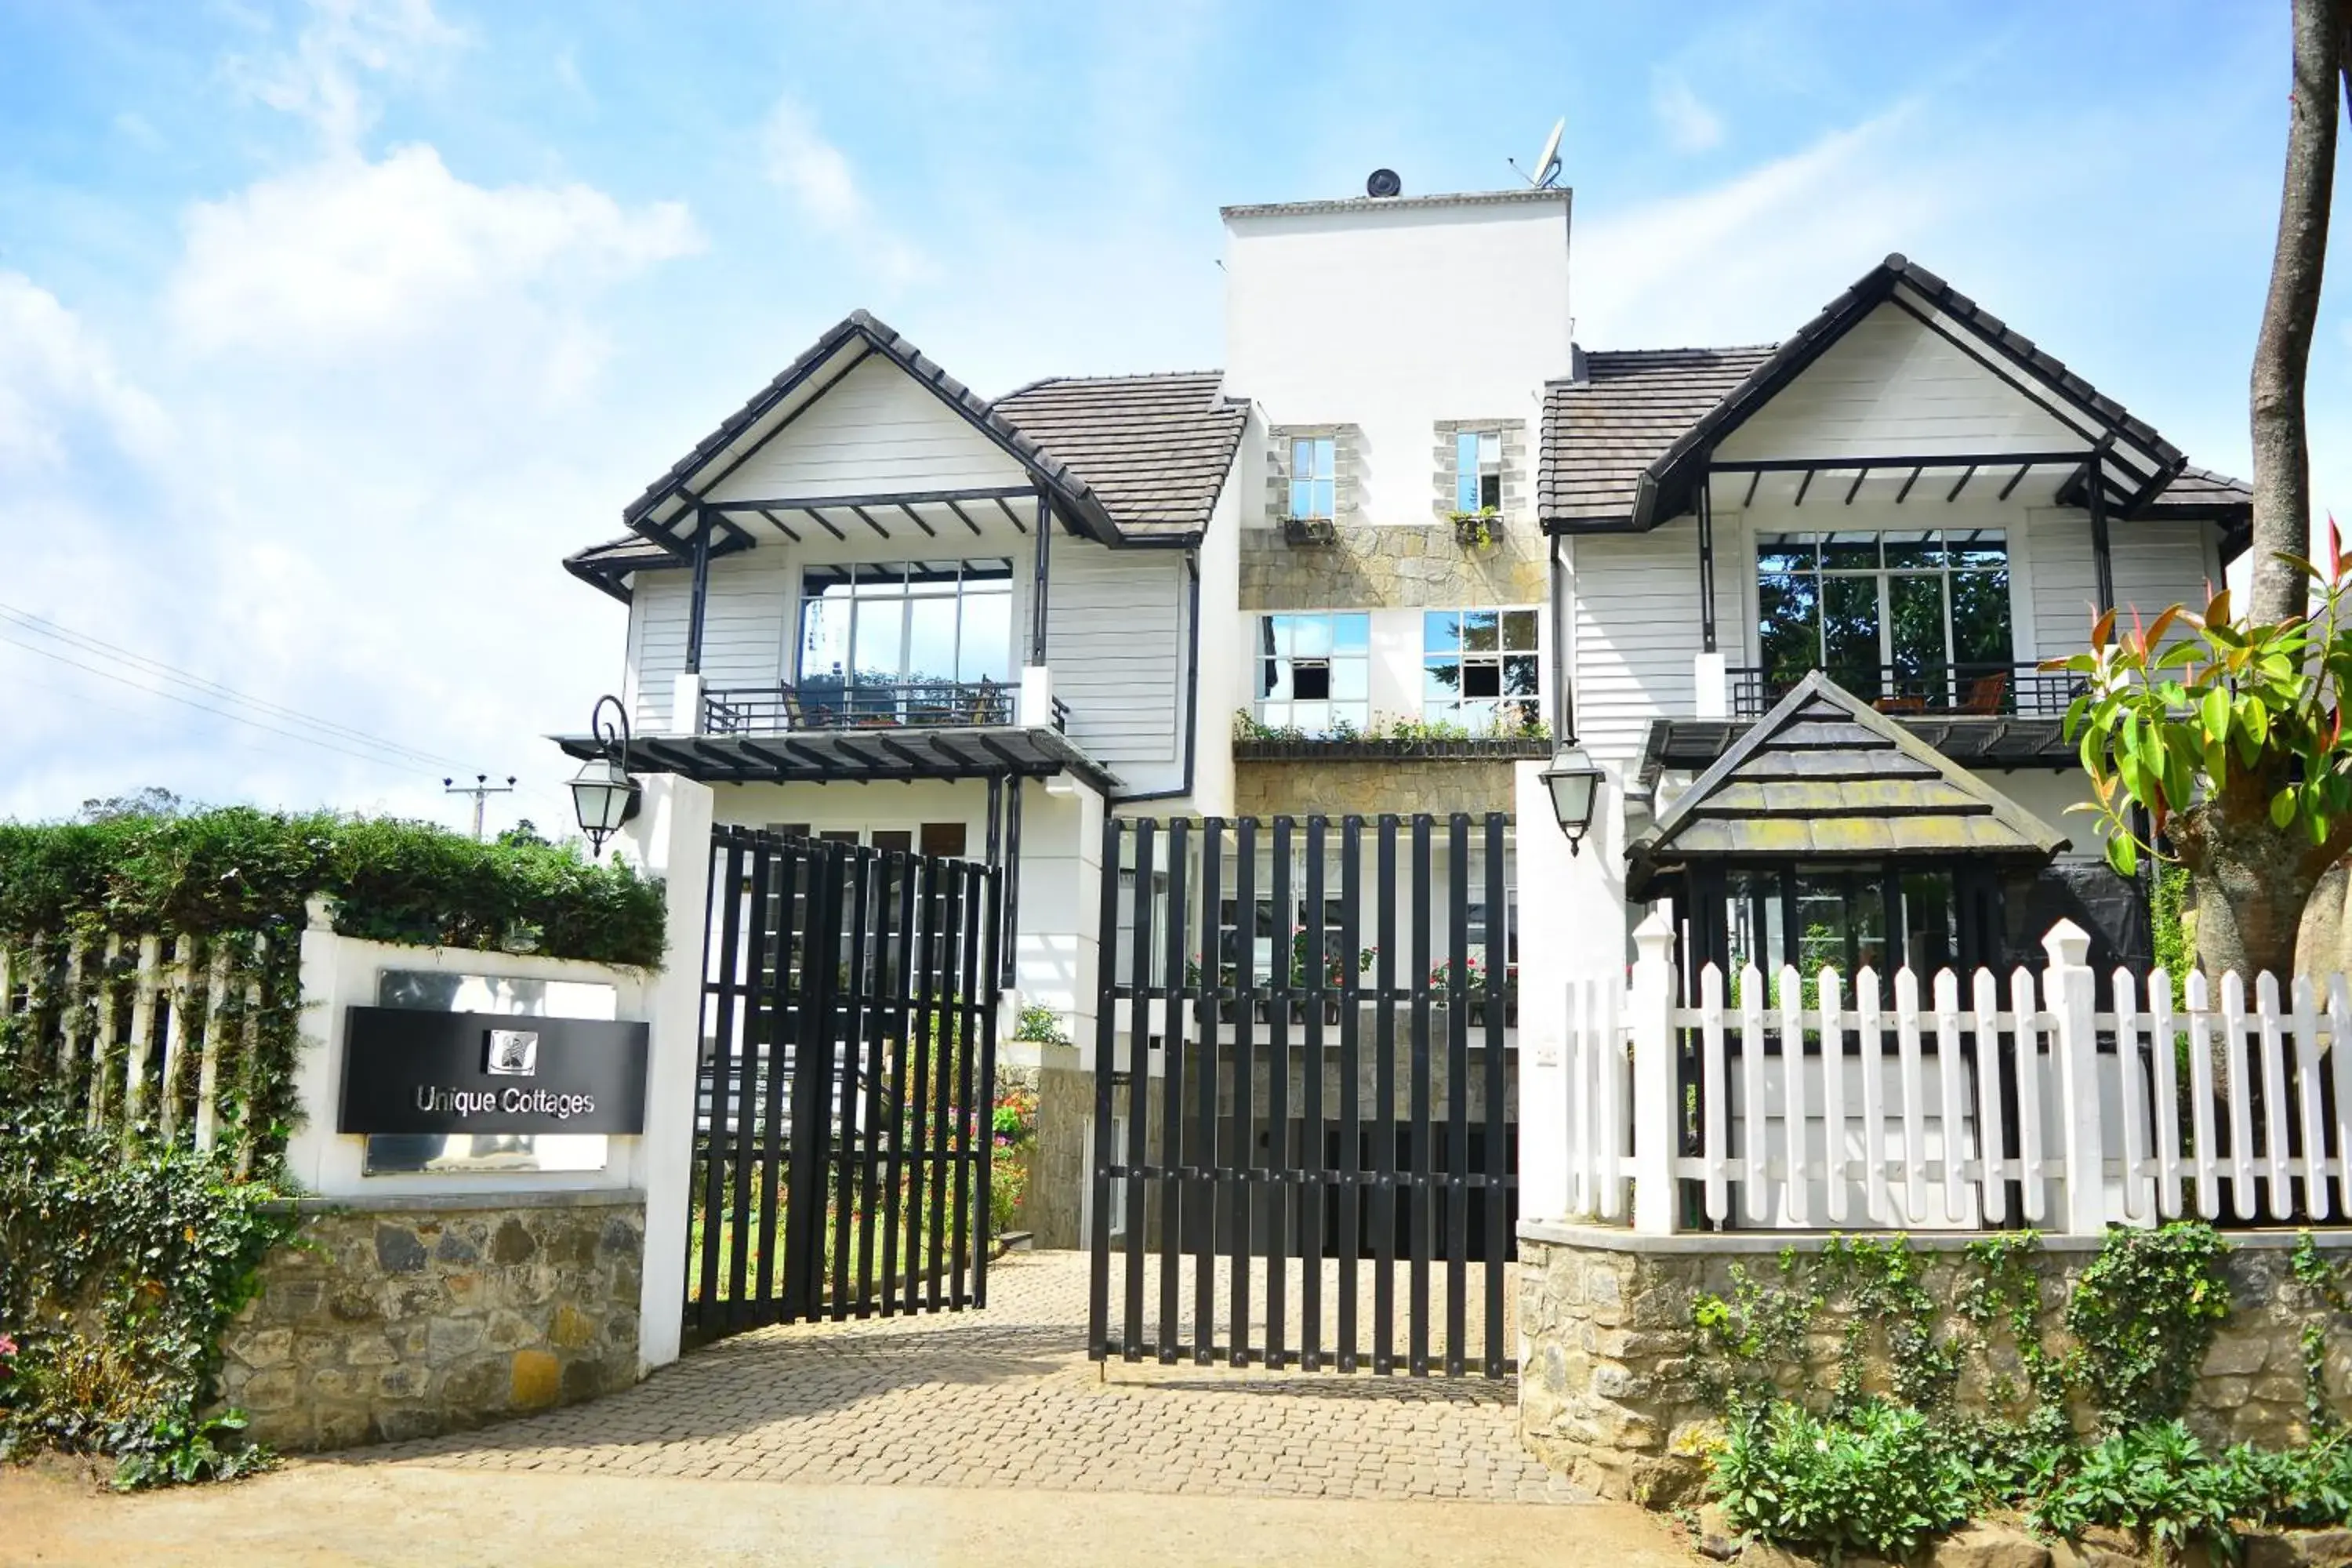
{"x":2281,"y":504}
{"x":2251,"y":879}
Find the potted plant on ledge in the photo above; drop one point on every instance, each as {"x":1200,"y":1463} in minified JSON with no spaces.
{"x":1477,"y":530}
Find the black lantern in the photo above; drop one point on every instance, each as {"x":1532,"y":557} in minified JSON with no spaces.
{"x":604,"y":795}
{"x":1574,"y":780}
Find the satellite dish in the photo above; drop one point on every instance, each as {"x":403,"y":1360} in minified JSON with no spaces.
{"x":1548,"y":160}
{"x":1384,"y":182}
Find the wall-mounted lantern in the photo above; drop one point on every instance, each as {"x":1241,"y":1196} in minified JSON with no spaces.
{"x":1574,"y":780}
{"x":604,"y":795}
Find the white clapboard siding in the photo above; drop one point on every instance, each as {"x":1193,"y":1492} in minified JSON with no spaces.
{"x":1115,"y":645}
{"x":1838,"y":1115}
{"x":1637,"y":632}
{"x":876,"y":430}
{"x":657,"y":617}
{"x":2153,"y":564}
{"x":1890,"y":385}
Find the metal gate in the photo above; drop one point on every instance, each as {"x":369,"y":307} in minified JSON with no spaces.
{"x":842,"y":1142}
{"x":1301,"y":1083}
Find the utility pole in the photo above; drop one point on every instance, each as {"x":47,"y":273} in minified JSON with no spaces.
{"x":481,"y":789}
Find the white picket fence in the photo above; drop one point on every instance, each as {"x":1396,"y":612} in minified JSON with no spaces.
{"x":152,"y":1033}
{"x":1986,"y":1101}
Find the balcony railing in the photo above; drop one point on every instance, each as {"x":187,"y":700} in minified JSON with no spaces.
{"x":1941,"y":692}
{"x":863,"y":705}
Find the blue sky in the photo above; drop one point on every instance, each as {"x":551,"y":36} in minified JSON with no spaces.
{"x":326,"y":329}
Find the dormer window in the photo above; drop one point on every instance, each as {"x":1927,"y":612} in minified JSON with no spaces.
{"x":1478,"y":470}
{"x":1314,"y":484}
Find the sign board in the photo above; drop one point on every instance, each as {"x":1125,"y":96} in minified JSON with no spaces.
{"x":413,"y":1071}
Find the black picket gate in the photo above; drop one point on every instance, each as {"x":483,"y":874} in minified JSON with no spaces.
{"x":842,"y":1138}
{"x":1283,"y":1161}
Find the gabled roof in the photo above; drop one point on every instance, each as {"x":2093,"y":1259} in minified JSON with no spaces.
{"x":1824,"y":775}
{"x":1628,"y":480}
{"x":1155,"y":448}
{"x":667,"y":512}
{"x":1601,"y":433}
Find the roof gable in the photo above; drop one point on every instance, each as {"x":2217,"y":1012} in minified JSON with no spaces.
{"x":1891,"y":383}
{"x":1824,"y":774}
{"x":671,"y":511}
{"x":2137,"y":465}
{"x":872,"y":429}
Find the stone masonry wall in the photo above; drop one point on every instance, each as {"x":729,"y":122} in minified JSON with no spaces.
{"x":1609,"y":1395}
{"x":1335,"y":789}
{"x":382,"y":1324}
{"x":1392,"y":566}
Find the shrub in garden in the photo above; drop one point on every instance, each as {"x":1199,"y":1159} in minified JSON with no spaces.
{"x":1013,"y":1129}
{"x":1879,"y":1480}
{"x":118,"y":1269}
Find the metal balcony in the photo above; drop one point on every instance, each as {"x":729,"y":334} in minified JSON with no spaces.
{"x":1941,"y":692}
{"x":784,"y":707}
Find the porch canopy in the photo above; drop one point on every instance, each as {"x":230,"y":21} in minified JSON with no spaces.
{"x":1829,"y":833}
{"x":859,"y":756}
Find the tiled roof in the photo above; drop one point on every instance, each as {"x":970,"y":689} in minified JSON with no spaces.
{"x":2203,"y":491}
{"x":1155,"y":449}
{"x":1600,"y":434}
{"x":603,"y":566}
{"x":1824,"y":774}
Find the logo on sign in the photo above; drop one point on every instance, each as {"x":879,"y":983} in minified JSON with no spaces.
{"x":512,"y":1053}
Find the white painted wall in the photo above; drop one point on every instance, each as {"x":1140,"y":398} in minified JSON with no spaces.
{"x":1891,"y":387}
{"x":1636,"y":630}
{"x":874,"y":424}
{"x":1115,"y":640}
{"x":1390,"y":317}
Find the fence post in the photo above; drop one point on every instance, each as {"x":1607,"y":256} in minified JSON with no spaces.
{"x":2069,"y":993}
{"x":1655,"y":1142}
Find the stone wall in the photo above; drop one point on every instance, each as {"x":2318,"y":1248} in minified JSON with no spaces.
{"x":1299,"y":787}
{"x":382,"y":1323}
{"x":1393,"y":566}
{"x":1057,"y":1167}
{"x":1608,"y":1391}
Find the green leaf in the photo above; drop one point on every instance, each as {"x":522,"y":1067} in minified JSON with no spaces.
{"x":2215,"y":713}
{"x":2283,"y":806}
{"x":2122,"y":855}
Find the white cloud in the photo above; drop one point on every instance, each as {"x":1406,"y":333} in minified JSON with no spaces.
{"x":54,"y":375}
{"x":1690,"y":125}
{"x":817,"y":177}
{"x":1753,"y":257}
{"x":320,"y":79}
{"x":348,"y":253}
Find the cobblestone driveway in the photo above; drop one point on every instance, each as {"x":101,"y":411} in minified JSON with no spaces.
{"x":1005,"y":1397}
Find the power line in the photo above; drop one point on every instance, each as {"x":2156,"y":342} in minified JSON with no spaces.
{"x":83,"y":642}
{"x":380,"y":760}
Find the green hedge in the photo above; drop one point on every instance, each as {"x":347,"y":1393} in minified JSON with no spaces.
{"x":235,"y":868}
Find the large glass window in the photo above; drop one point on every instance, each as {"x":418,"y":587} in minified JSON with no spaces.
{"x":1480,"y":670}
{"x":1842,"y":915}
{"x":1314,"y":481}
{"x":1314,"y":672}
{"x":1478,"y":470}
{"x":886,"y":623}
{"x":1904,"y":619}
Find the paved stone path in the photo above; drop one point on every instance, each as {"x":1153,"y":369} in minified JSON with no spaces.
{"x":1005,"y":1397}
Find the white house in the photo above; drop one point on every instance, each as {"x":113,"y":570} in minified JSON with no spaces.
{"x":1408,"y":540}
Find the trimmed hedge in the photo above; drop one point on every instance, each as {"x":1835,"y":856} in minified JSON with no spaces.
{"x":235,"y":868}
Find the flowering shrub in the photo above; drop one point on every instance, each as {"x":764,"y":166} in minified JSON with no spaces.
{"x":1013,"y":1130}
{"x":1474,"y":975}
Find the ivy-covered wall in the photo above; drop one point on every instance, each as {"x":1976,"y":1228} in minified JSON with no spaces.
{"x":1636,"y":1347}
